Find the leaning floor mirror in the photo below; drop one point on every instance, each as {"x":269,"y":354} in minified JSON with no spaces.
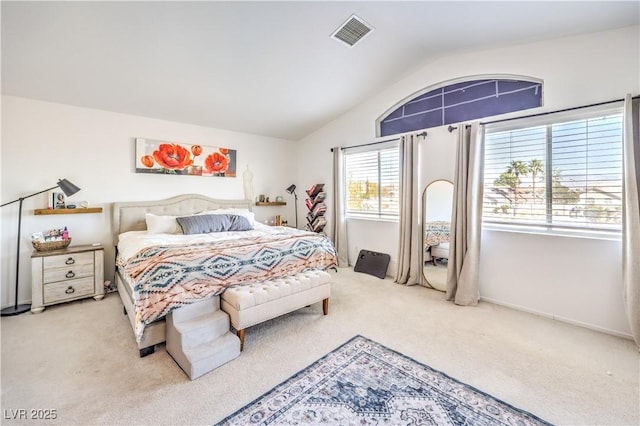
{"x":437,"y":201}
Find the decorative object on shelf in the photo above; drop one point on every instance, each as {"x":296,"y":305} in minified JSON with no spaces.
{"x":292,"y":190}
{"x":317,"y":208}
{"x":279,"y":199}
{"x":154,"y":156}
{"x":58,"y":200}
{"x":69,"y":189}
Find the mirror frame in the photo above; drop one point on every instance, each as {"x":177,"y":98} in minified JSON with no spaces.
{"x":425,"y":280}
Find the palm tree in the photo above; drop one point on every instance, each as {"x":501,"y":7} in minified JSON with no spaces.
{"x":508,"y":180}
{"x":516,"y":169}
{"x":535,"y":168}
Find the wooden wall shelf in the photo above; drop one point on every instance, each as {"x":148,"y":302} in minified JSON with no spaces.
{"x":68,"y":211}
{"x":271,"y":203}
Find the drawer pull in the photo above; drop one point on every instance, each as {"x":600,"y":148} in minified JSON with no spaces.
{"x":70,"y":290}
{"x":70,"y":274}
{"x":70,"y":261}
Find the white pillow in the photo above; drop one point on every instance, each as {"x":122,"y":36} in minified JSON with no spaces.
{"x":162,"y":224}
{"x":240,"y":212}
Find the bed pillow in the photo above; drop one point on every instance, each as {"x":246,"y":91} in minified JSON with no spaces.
{"x":206,"y":223}
{"x":237,"y":211}
{"x":157,"y":224}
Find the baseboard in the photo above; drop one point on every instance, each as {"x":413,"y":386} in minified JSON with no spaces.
{"x":558,"y":318}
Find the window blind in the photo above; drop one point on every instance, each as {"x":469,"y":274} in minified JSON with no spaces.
{"x":558,"y":174}
{"x":372,"y":183}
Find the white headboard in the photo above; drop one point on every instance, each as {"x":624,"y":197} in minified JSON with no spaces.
{"x":129,"y":215}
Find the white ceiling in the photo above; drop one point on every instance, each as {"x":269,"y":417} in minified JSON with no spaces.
{"x":268,"y":68}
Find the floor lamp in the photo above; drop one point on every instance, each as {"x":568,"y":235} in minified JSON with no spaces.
{"x":292,"y":190}
{"x":69,"y":189}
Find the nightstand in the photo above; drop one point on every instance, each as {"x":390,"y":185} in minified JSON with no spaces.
{"x":59,"y":276}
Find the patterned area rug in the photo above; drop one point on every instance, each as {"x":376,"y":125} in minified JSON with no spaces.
{"x":365,"y":383}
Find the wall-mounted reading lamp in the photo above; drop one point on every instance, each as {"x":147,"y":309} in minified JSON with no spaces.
{"x":292,"y":190}
{"x":69,"y":189}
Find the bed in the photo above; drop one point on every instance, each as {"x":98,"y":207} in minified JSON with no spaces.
{"x":158,"y":272}
{"x":436,"y":240}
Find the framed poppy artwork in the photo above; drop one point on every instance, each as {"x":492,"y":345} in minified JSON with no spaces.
{"x":155,"y":156}
{"x":58,"y":200}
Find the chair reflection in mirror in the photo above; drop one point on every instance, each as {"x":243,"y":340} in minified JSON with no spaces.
{"x":436,"y":240}
{"x":437,"y":205}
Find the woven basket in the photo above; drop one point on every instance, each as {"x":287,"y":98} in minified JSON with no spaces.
{"x":51,"y":245}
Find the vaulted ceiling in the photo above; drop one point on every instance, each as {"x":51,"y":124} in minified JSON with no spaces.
{"x":267,"y":68}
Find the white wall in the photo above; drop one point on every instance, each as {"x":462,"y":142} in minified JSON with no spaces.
{"x":437,"y":158}
{"x":569,"y":278}
{"x":573,"y":279}
{"x":43,"y":141}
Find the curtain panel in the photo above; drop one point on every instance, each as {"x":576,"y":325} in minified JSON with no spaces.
{"x":631,"y":214}
{"x":463,"y":287}
{"x":409,"y":258}
{"x":338,"y":228}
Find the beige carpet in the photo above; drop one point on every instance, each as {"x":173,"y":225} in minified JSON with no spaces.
{"x":80,"y":359}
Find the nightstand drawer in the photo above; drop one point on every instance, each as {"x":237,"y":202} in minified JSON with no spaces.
{"x":68,"y":260}
{"x":64,"y":275}
{"x":71,"y":289}
{"x":67,"y":273}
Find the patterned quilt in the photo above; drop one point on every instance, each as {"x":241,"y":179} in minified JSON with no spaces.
{"x":436,"y":232}
{"x":167,"y":277}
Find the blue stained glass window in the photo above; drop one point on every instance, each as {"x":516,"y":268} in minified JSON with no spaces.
{"x":460,"y":102}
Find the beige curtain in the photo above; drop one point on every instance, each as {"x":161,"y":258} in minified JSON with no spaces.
{"x":631,"y":214}
{"x":339,"y":224}
{"x":409,"y":199}
{"x":466,"y":218}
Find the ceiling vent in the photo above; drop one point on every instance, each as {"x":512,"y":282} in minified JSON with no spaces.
{"x":352,"y":31}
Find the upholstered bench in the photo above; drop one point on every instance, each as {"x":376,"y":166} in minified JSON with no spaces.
{"x":251,"y":304}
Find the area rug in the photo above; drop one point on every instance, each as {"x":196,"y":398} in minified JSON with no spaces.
{"x":363,"y":382}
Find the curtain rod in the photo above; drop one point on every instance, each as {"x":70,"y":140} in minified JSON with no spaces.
{"x":452,"y":128}
{"x":423,"y":134}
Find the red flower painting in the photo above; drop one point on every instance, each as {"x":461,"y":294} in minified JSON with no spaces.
{"x":172,"y":156}
{"x":216,"y":163}
{"x":175,"y":158}
{"x":147,"y":160}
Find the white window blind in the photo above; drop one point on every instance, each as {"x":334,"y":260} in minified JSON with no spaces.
{"x":372,"y":183}
{"x":560,"y":174}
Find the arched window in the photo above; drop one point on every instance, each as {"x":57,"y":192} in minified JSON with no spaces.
{"x":462,"y":101}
